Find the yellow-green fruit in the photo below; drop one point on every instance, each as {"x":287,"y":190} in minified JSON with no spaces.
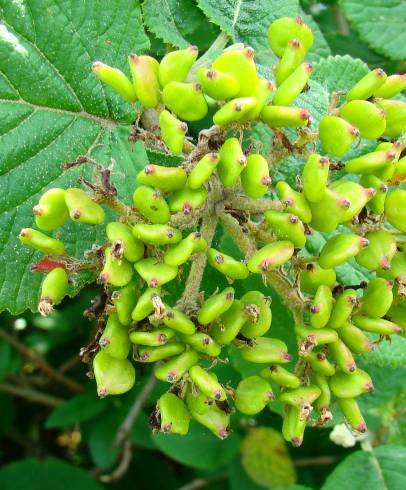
{"x":302,"y":396}
{"x":291,"y":58}
{"x":157,"y":234}
{"x":186,"y":100}
{"x":352,"y":413}
{"x":376,"y":325}
{"x":203,"y":343}
{"x":230,"y":323}
{"x":116,"y":79}
{"x":366,"y":116}
{"x":175,"y":65}
{"x":399,"y":174}
{"x":265,"y":351}
{"x":392,"y":86}
{"x":145,"y":304}
{"x":154,"y":354}
{"x":315,"y":337}
{"x":294,"y":202}
{"x":270,"y":256}
{"x":255,"y":177}
{"x":123,"y":240}
{"x":232,"y":161}
{"x":377,"y":203}
{"x":240,"y":65}
{"x":336,"y":135}
{"x":124,"y":301}
{"x":280,"y":376}
{"x":282,"y":116}
{"x":355,"y":339}
{"x":51,"y":211}
{"x":319,"y":363}
{"x":286,"y":226}
{"x":113,"y":376}
{"x":352,"y":385}
{"x":341,"y":248}
{"x":395,"y":113}
{"x":151,"y":338}
{"x":294,"y":425}
{"x":262,"y":94}
{"x":321,"y":307}
{"x":258,"y":308}
{"x":370,"y":163}
{"x":173,"y":414}
{"x":329,"y":212}
{"x":292,"y":86}
{"x":395,"y":209}
{"x":173,"y":132}
{"x":207,"y":383}
{"x":53,"y":290}
{"x":234,"y":110}
{"x":187,"y":200}
{"x":379,"y":252}
{"x":45,"y":244}
{"x":377,"y":297}
{"x":227,"y":265}
{"x":144,"y":70}
{"x":368,"y":85}
{"x":355,"y":194}
{"x":322,"y":403}
{"x":83,"y":209}
{"x":218,"y":85}
{"x":315,"y":177}
{"x":115,"y":341}
{"x":151,"y":204}
{"x":314,"y":276}
{"x":342,"y":309}
{"x":284,"y":29}
{"x":177,"y":320}
{"x":215,"y":306}
{"x":203,"y":170}
{"x":180,"y":253}
{"x":173,"y":370}
{"x":343,"y":356}
{"x":116,"y":271}
{"x":214,"y":419}
{"x":397,"y":268}
{"x":154,"y":273}
{"x":252,"y":395}
{"x":167,"y":179}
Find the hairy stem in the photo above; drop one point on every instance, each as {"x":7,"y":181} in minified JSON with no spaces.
{"x":257,"y":206}
{"x":31,"y":395}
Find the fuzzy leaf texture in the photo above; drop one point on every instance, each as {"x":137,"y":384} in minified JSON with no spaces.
{"x":53,"y":109}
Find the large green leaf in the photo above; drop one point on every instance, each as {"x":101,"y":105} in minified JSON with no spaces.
{"x":383,"y":468}
{"x":47,"y":474}
{"x":53,"y":109}
{"x":171,"y":20}
{"x":380,"y":24}
{"x":388,"y":353}
{"x":339,"y":72}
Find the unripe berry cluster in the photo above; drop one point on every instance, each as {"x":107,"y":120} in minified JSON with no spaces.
{"x":219,"y":180}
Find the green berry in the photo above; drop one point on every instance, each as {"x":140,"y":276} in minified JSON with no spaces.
{"x":174,"y":415}
{"x":203,"y":170}
{"x":329,"y":212}
{"x":218,"y":85}
{"x":294,"y":425}
{"x":257,"y":306}
{"x":39,"y":241}
{"x":292,"y":56}
{"x":157,"y":234}
{"x":292,"y":86}
{"x":215,"y":420}
{"x":366,"y":116}
{"x":113,"y":376}
{"x":175,"y":65}
{"x":82,"y":209}
{"x":392,"y":86}
{"x":355,"y":339}
{"x":144,"y":71}
{"x":124,"y":301}
{"x":53,"y":290}
{"x":255,"y":178}
{"x":352,"y":413}
{"x":155,"y":274}
{"x":315,"y":336}
{"x":368,"y":85}
{"x":215,"y":306}
{"x":186,"y":100}
{"x":336,"y":135}
{"x":151,"y":204}
{"x":322,"y":403}
{"x":395,"y":114}
{"x":116,"y":79}
{"x":207,"y":383}
{"x":203,"y":343}
{"x":369,"y":163}
{"x":319,"y":363}
{"x":270,"y":256}
{"x":121,"y":237}
{"x":252,"y":395}
{"x":235,"y":110}
{"x":51,"y":211}
{"x":377,"y":203}
{"x":266,"y":350}
{"x":284,"y":29}
{"x":228,"y":326}
{"x":152,"y":338}
{"x":154,"y":354}
{"x":230,"y":267}
{"x":294,"y":201}
{"x":115,"y":341}
{"x":342,"y":309}
{"x":343,"y":356}
{"x":314,"y":276}
{"x":232,"y":162}
{"x":315,"y":177}
{"x":186,"y":201}
{"x":280,"y":376}
{"x":116,"y":271}
{"x":173,"y":370}
{"x":377,"y":297}
{"x":180,"y":253}
{"x":353,"y":193}
{"x":321,"y":307}
{"x":173,"y":132}
{"x":341,"y":248}
{"x":145,"y":304}
{"x":167,"y":179}
{"x":376,"y":325}
{"x":395,"y":209}
{"x":178,"y":321}
{"x":286,"y":226}
{"x":352,"y":385}
{"x":281,"y":116}
{"x":304,"y":395}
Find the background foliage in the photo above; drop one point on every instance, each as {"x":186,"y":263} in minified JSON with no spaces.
{"x":54,"y":430}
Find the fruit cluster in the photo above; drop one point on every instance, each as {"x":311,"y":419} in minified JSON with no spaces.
{"x":147,"y":248}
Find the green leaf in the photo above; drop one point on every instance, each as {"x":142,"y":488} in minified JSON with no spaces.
{"x":388,"y":353}
{"x":320,"y":48}
{"x":339,"y":72}
{"x":199,"y":448}
{"x":76,"y":410}
{"x":53,"y":109}
{"x":265,"y":457}
{"x":46,"y":474}
{"x":380,"y":24}
{"x":171,"y":20}
{"x":383,"y":468}
{"x":239,"y":480}
{"x":247,"y":21}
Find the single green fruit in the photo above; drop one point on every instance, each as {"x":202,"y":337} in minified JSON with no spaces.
{"x":271,"y":256}
{"x":203,"y":343}
{"x":146,"y":304}
{"x":292,"y":56}
{"x":186,"y":100}
{"x":115,"y":341}
{"x":280,"y":376}
{"x":342,"y":309}
{"x":355,"y":339}
{"x":123,"y":241}
{"x":368,"y":85}
{"x":177,"y":320}
{"x":230,"y":267}
{"x":369,"y":163}
{"x":226,"y":329}
{"x":341,"y":248}
{"x":252,"y":395}
{"x":215,"y":420}
{"x":376,"y":325}
{"x":154,"y":354}
{"x":235,"y":110}
{"x":284,"y":29}
{"x":180,"y":253}
{"x":320,"y":309}
{"x":207,"y":383}
{"x":157,"y":234}
{"x":395,"y":114}
{"x":257,"y":306}
{"x":203,"y":170}
{"x":282,"y":116}
{"x":174,"y":415}
{"x":294,"y":425}
{"x":294,"y":201}
{"x":329,"y":212}
{"x":392,"y":86}
{"x":151,"y":204}
{"x":352,"y":413}
{"x":218,"y":85}
{"x":151,"y":338}
{"x":116,"y":79}
{"x":116,"y":271}
{"x":173,"y":132}
{"x":314,"y":276}
{"x":215,"y":306}
{"x":167,"y":179}
{"x":292,"y":86}
{"x":286,"y":226}
{"x":39,"y":241}
{"x":315,"y":177}
{"x":255,"y":177}
{"x":155,"y":274}
{"x":395,"y":209}
{"x":173,"y":370}
{"x":232,"y":162}
{"x":144,"y":71}
{"x":377,"y":203}
{"x":343,"y":356}
{"x":175,"y":65}
{"x":266,"y":350}
{"x":322,"y":403}
{"x":187,"y":200}
{"x":353,"y":193}
{"x":336,"y":135}
{"x":377,"y":297}
{"x":366,"y":116}
{"x":113,"y":376}
{"x":53,"y":290}
{"x":319,"y":363}
{"x":51,"y":211}
{"x":352,"y":385}
{"x":304,"y":395}
{"x":82,"y":209}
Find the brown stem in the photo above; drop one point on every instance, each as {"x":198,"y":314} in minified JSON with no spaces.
{"x":31,"y":395}
{"x":316,"y":461}
{"x":257,"y":206}
{"x":42,"y":364}
{"x":203,"y":482}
